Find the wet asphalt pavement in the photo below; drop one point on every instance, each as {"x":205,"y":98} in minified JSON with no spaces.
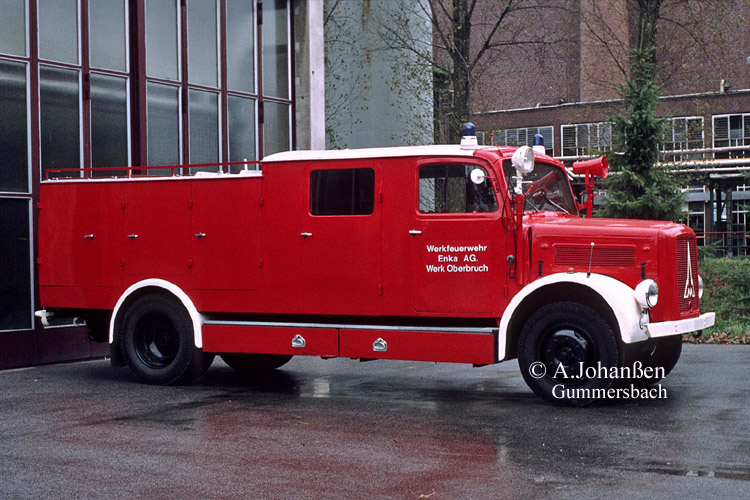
{"x":383,"y":429}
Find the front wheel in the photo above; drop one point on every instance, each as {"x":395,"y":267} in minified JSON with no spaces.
{"x":158,"y":344}
{"x":654,"y":358}
{"x":565,"y":351}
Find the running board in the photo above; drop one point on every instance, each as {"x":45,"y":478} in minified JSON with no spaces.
{"x":476,"y":346}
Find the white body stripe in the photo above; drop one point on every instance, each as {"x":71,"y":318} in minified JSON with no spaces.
{"x":174,"y":290}
{"x":618,"y":296}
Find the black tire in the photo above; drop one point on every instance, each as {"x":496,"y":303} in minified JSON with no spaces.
{"x":660,"y":355}
{"x":556,"y":342}
{"x":157,"y":341}
{"x":253,"y":364}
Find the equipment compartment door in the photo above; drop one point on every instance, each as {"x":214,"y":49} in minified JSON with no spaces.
{"x":341,"y":239}
{"x":157,"y":228}
{"x":80,"y":228}
{"x":457,"y":240}
{"x":226,"y":233}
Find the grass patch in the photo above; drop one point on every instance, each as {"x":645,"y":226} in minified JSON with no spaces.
{"x":727,"y":282}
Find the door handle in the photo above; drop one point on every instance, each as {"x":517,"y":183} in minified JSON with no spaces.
{"x":88,"y":236}
{"x":132,"y":236}
{"x":200,"y":235}
{"x":305,"y":235}
{"x":414,"y":232}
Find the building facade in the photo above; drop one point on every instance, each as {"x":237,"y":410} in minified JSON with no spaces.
{"x":86,"y":84}
{"x":568,"y":93}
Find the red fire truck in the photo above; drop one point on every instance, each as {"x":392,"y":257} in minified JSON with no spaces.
{"x":461,"y":254}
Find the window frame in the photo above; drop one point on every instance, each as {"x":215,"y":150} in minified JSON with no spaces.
{"x":586,"y":150}
{"x":745,"y":117}
{"x":677,"y":155}
{"x":548,"y":147}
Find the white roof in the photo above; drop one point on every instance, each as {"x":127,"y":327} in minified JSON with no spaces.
{"x":353,"y":154}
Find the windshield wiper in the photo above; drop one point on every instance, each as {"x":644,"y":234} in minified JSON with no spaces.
{"x":554,"y":204}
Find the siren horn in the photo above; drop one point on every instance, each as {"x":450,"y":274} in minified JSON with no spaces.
{"x":598,"y":167}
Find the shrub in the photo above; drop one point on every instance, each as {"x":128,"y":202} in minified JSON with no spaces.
{"x":727,"y":282}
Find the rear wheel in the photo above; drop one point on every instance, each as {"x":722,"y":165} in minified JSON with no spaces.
{"x":157,"y":341}
{"x":564,"y":349}
{"x":250,"y":364}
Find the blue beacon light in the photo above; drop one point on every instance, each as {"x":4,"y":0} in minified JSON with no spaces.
{"x":469,"y":137}
{"x":539,"y":144}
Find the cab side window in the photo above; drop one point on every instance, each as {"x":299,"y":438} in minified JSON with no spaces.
{"x":349,"y":191}
{"x":450,"y":189}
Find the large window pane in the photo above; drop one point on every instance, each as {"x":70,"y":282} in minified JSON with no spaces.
{"x":348,"y":191}
{"x":241,"y":50}
{"x":58,"y":30}
{"x":15,"y":268}
{"x":276,"y":128}
{"x":275,"y":48}
{"x":14,"y":151}
{"x":109,"y":123}
{"x":59,"y":118}
{"x":204,"y":128}
{"x":241,"y":130}
{"x":163,"y":130}
{"x":13,"y":27}
{"x":202,"y":55}
{"x":161,"y":39}
{"x":107,"y":34}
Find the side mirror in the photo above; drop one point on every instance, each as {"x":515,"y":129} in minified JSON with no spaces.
{"x":477,"y":176}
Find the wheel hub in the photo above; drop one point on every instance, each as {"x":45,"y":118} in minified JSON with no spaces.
{"x":568,"y":349}
{"x":156,"y":341}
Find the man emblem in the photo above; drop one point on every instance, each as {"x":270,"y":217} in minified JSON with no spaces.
{"x":689,"y":285}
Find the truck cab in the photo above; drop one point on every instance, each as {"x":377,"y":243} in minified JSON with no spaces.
{"x":461,"y":254}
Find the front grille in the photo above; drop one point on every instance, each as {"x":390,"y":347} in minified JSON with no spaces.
{"x":687,"y":273}
{"x":602,"y":257}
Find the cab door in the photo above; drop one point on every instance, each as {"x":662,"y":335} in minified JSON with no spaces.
{"x":457,"y":240}
{"x":340,"y":237}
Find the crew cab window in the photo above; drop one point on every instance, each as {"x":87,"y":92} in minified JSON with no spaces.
{"x":449,"y":189}
{"x":348,"y":191}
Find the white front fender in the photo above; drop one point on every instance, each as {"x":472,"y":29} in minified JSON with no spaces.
{"x":195,"y":317}
{"x":618,"y":296}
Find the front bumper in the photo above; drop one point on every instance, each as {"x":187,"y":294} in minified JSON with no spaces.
{"x":666,"y":328}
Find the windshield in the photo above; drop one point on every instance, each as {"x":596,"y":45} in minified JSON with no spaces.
{"x":546,"y":188}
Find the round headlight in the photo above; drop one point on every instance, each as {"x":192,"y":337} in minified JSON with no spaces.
{"x":700,"y":287}
{"x":647,"y":294}
{"x":652,"y":294}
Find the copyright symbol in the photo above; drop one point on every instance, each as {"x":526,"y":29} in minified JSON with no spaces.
{"x":537,"y":369}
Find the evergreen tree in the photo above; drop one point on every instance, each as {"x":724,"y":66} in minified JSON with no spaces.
{"x":640,"y":189}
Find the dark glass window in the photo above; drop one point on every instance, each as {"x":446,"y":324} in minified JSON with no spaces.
{"x":58,"y":30}
{"x":107,"y":34}
{"x":449,"y":189}
{"x":109,"y":123}
{"x":14,"y":149}
{"x":342,"y":192}
{"x":59,"y":118}
{"x":241,"y":130}
{"x":15,"y":267}
{"x":13,"y":27}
